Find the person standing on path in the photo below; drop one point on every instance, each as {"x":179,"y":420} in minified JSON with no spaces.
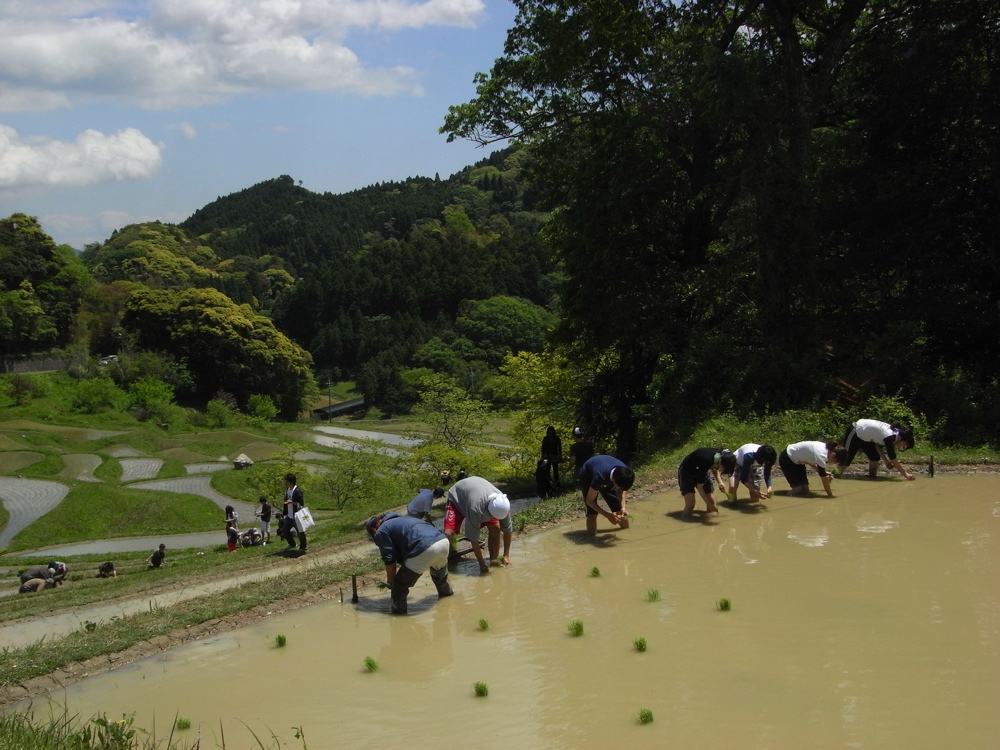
{"x":879,"y":441}
{"x":264,"y":514}
{"x":609,"y":478}
{"x":478,"y":503}
{"x":552,"y":452}
{"x":409,"y":548}
{"x":294,"y":502}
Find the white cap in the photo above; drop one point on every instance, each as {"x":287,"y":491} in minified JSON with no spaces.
{"x":499,"y":505}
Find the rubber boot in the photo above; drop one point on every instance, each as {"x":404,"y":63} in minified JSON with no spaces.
{"x":440,"y":578}
{"x":400,"y":590}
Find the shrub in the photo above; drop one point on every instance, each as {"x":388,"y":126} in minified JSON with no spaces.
{"x":482,"y":689}
{"x":96,"y":395}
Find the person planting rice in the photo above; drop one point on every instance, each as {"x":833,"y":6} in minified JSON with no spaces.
{"x":879,"y":441}
{"x":797,"y":456}
{"x":409,"y":547}
{"x":752,"y":468}
{"x":696,"y":473}
{"x":478,"y":503}
{"x":420,"y":506}
{"x":609,"y":478}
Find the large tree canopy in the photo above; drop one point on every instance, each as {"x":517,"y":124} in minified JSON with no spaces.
{"x":41,"y":288}
{"x":760,"y":197}
{"x":227,"y":347}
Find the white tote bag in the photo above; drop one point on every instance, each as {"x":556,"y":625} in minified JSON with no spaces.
{"x":304,"y":520}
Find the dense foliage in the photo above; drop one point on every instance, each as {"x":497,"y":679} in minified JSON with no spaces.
{"x":766,"y":203}
{"x":41,"y":288}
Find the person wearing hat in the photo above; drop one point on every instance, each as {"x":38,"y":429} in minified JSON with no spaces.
{"x":478,"y":503}
{"x":752,"y":467}
{"x":794,"y":460}
{"x":879,"y":441}
{"x":579,"y":452}
{"x":611,"y":479}
{"x":409,"y":548}
{"x":420,"y":506}
{"x":696,"y":472}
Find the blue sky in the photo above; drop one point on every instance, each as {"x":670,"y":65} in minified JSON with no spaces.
{"x":119,"y":111}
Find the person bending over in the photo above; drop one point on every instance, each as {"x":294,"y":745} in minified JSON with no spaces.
{"x":409,"y":548}
{"x":606,"y":477}
{"x":794,"y":460}
{"x":879,"y":441}
{"x":478,"y":503}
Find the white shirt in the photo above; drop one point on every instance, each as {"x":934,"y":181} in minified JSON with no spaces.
{"x":873,"y":431}
{"x":808,"y":452}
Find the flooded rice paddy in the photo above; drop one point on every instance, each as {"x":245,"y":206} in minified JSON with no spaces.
{"x":867,"y":621}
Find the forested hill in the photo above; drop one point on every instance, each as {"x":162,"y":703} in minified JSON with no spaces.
{"x":369,"y":283}
{"x":281,"y":218}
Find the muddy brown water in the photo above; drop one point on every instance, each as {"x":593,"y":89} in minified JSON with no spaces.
{"x":871,"y":620}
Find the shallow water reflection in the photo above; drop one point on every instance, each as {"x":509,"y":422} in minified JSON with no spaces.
{"x":870,"y":639}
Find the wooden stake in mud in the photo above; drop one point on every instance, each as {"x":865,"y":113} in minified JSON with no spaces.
{"x":932,"y":466}
{"x":354,"y":589}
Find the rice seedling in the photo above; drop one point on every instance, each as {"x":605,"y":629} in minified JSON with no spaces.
{"x":595,"y":572}
{"x":645,"y":715}
{"x":280,"y":640}
{"x":484,"y":624}
{"x":370,"y":664}
{"x":576,"y":628}
{"x":183,"y":722}
{"x":653,"y":595}
{"x":724,"y":605}
{"x":639,"y":644}
{"x":482,"y":689}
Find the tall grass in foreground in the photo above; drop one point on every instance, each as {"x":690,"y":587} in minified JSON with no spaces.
{"x":23,"y":730}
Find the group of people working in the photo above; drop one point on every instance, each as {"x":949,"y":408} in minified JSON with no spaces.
{"x":701,"y":470}
{"x":410,"y":546}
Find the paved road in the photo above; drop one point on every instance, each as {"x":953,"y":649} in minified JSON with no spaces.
{"x":131,"y":544}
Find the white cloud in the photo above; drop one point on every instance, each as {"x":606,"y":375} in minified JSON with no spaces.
{"x":92,"y":158}
{"x":21,"y":99}
{"x":189,"y":52}
{"x":188,"y":130}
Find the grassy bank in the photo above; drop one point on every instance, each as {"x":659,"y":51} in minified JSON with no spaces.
{"x":19,"y":665}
